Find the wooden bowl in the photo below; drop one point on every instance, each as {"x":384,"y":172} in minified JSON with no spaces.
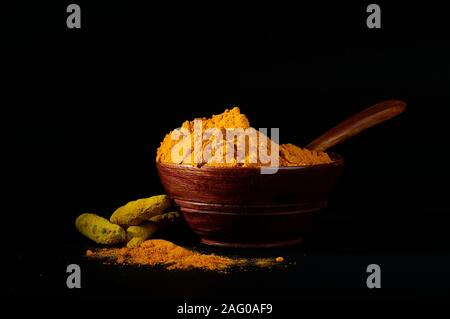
{"x":240,"y":207}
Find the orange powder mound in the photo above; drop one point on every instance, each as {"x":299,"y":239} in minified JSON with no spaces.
{"x":289,"y":154}
{"x":162,"y":252}
{"x":228,"y":119}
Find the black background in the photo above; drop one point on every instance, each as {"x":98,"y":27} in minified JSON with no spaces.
{"x":88,"y":108}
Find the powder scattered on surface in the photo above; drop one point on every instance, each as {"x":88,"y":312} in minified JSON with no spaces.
{"x":264,"y":262}
{"x":162,"y":252}
{"x":289,"y":154}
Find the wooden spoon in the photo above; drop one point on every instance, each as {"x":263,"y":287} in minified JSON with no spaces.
{"x":359,"y":122}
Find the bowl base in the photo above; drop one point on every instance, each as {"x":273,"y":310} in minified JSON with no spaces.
{"x":270,"y":244}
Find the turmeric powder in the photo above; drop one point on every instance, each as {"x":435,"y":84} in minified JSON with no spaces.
{"x":292,"y":155}
{"x":179,"y":146}
{"x":162,"y":252}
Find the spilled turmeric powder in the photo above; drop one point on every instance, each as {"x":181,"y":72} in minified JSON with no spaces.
{"x":162,"y":252}
{"x":189,"y":144}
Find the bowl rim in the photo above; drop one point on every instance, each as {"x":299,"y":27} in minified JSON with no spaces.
{"x":338,"y":160}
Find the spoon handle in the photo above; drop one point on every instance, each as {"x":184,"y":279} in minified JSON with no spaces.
{"x":359,"y":122}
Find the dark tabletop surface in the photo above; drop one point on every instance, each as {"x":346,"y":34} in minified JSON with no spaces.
{"x":330,"y":264}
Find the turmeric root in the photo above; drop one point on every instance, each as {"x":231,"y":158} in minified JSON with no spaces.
{"x":99,"y":229}
{"x":138,"y":234}
{"x":138,"y":211}
{"x":166,"y":218}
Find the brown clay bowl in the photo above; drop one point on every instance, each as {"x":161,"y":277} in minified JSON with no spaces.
{"x":240,"y":207}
